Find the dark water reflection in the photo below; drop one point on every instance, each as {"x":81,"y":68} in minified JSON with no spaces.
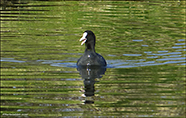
{"x":89,"y":74}
{"x":143,"y":43}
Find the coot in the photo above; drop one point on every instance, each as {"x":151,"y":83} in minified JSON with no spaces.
{"x":90,"y":57}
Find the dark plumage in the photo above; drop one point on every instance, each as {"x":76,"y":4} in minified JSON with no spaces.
{"x":90,"y":57}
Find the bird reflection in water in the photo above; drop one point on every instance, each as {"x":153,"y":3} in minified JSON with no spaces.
{"x":89,"y":75}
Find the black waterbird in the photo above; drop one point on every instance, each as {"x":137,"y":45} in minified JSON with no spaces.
{"x":90,"y":57}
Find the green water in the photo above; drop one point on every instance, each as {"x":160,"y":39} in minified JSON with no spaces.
{"x":143,"y":43}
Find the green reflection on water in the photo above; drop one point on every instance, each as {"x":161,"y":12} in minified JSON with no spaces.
{"x":51,"y":32}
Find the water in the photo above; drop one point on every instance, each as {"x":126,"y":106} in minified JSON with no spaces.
{"x":143,"y":43}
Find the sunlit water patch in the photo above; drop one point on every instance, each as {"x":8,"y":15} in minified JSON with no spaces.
{"x":11,"y":60}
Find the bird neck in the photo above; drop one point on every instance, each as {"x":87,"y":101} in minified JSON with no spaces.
{"x":92,"y":50}
{"x":90,"y":47}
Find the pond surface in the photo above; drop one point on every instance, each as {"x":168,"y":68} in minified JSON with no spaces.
{"x":143,"y":43}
